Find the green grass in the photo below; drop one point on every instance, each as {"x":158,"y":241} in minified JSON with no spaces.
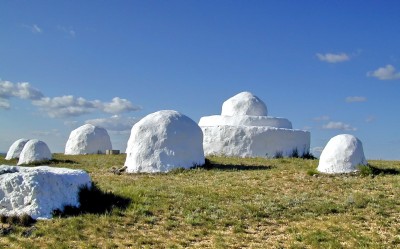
{"x":230,"y":203}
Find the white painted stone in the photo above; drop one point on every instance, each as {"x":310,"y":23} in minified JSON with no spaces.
{"x":162,"y":141}
{"x":37,"y":191}
{"x":244,"y":130}
{"x":342,"y":154}
{"x":34,"y":151}
{"x":88,"y":139}
{"x":217,"y":120}
{"x":15,"y":149}
{"x":254,"y":141}
{"x":244,"y":103}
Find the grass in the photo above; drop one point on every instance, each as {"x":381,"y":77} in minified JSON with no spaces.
{"x":230,"y":203}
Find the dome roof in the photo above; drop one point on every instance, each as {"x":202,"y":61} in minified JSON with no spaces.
{"x":244,"y":103}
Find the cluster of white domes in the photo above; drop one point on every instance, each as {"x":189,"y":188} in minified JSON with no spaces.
{"x":28,"y":151}
{"x":244,"y":129}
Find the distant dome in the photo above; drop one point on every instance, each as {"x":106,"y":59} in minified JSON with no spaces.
{"x":162,"y":141}
{"x":342,"y":154}
{"x":244,"y":103}
{"x":34,"y":151}
{"x":88,"y":139}
{"x":16,"y":148}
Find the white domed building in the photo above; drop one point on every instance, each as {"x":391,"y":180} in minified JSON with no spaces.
{"x":15,"y":149}
{"x":88,"y":139}
{"x":244,"y":129}
{"x":34,"y":151}
{"x":342,"y":154}
{"x":162,"y":141}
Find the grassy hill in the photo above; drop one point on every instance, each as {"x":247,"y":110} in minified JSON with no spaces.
{"x":231,"y":203}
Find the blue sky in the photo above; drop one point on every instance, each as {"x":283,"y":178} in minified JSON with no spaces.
{"x":330,"y":67}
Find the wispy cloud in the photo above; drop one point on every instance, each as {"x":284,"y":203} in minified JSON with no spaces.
{"x":322,"y":118}
{"x":114,"y":123}
{"x":332,"y":125}
{"x":68,"y":31}
{"x":370,"y":119}
{"x":63,"y":106}
{"x":33,"y":28}
{"x":333,"y":58}
{"x":352,"y":99}
{"x":385,"y":73}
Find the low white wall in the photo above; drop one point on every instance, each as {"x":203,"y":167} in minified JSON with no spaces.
{"x":216,"y":120}
{"x":254,"y":141}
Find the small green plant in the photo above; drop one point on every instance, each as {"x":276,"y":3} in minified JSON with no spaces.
{"x":278,"y":154}
{"x":365,"y":170}
{"x":312,"y":172}
{"x":295,"y":153}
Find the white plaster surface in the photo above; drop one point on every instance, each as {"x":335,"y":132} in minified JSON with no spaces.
{"x":15,"y":149}
{"x":244,"y":130}
{"x":217,"y":120}
{"x":37,"y":191}
{"x":88,"y":139}
{"x":254,"y":141}
{"x":34,"y":151}
{"x":342,"y":154}
{"x":162,"y":141}
{"x":244,"y":103}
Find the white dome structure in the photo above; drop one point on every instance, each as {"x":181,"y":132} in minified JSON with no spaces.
{"x":244,"y":103}
{"x":15,"y":149}
{"x":162,"y":141}
{"x":34,"y":151}
{"x":342,"y":154}
{"x":88,"y":139}
{"x":244,"y":130}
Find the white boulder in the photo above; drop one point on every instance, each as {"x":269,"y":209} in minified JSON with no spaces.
{"x":88,"y":139}
{"x":15,"y":149}
{"x":244,"y":130}
{"x":162,"y":141}
{"x":34,"y":151}
{"x":37,"y":191}
{"x":342,"y":154}
{"x":244,"y":103}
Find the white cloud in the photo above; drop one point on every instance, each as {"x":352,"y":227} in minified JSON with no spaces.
{"x":19,"y":90}
{"x":385,"y":73}
{"x":34,"y":28}
{"x":64,"y":106}
{"x":118,"y":105}
{"x":322,"y":118}
{"x":332,"y":125}
{"x":68,"y":31}
{"x":352,"y":99}
{"x":333,"y":58}
{"x":370,"y":119}
{"x":115,"y":123}
{"x":51,"y":133}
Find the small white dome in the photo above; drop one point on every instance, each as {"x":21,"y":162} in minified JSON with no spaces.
{"x":34,"y":151}
{"x":88,"y":139}
{"x":244,"y":103}
{"x":342,"y":154}
{"x":16,"y":148}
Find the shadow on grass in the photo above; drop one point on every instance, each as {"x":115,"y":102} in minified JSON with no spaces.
{"x":374,"y":171}
{"x":232,"y":167}
{"x":94,"y":201}
{"x":51,"y":162}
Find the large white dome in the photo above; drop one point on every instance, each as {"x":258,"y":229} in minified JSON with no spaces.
{"x":88,"y":139}
{"x":162,"y":141}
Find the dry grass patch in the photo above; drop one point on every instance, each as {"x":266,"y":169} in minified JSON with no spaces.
{"x":229,"y":203}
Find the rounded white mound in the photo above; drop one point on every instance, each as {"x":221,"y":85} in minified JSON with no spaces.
{"x":88,"y":139}
{"x":37,"y":191}
{"x":244,"y":103}
{"x":34,"y":151}
{"x":15,"y":149}
{"x":342,"y":154}
{"x":162,"y":141}
{"x":217,"y":120}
